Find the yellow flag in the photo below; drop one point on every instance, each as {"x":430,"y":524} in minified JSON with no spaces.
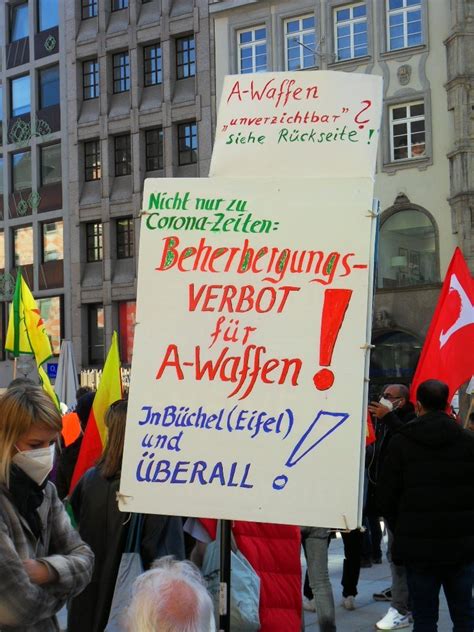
{"x":26,"y":331}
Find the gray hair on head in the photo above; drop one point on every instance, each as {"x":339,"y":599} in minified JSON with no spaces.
{"x":170,"y":597}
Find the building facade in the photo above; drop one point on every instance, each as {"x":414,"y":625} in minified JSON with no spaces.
{"x":97,"y":95}
{"x":424,"y":168}
{"x":34,"y":212}
{"x":139,"y":106}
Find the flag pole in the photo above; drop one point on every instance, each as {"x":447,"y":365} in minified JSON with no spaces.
{"x":15,"y":360}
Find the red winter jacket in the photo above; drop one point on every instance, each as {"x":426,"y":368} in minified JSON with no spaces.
{"x":274,"y":552}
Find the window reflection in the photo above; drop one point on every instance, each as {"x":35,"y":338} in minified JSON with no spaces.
{"x":407,"y":251}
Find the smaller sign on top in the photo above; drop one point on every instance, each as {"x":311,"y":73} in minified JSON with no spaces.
{"x":305,"y":124}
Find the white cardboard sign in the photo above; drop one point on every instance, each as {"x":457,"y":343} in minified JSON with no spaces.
{"x":247,"y":384}
{"x":314,"y":124}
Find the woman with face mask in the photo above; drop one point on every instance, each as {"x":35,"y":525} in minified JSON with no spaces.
{"x":43,"y":560}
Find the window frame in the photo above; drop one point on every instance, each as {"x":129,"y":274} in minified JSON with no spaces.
{"x":299,"y":35}
{"x":94,"y":86}
{"x":404,"y":12}
{"x":408,"y":119}
{"x":94,"y":232}
{"x":13,"y":8}
{"x":122,"y":165}
{"x":96,"y":167}
{"x":159,"y":157}
{"x":89,"y":5}
{"x":56,"y":220}
{"x":12,"y":170}
{"x":156,"y":63}
{"x":190,"y":151}
{"x":95,"y":360}
{"x":12,"y":79}
{"x":42,"y":149}
{"x":126,"y":249}
{"x":350,"y":22}
{"x":121,"y":84}
{"x":252,"y":44}
{"x":187,"y":59}
{"x":41,"y":71}
{"x":114,"y":8}
{"x":15,"y":230}
{"x":38,"y":17}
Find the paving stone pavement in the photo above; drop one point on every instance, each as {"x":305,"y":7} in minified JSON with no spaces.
{"x":368,"y":611}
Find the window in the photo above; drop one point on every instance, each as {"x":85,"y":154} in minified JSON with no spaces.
{"x":125,"y":238}
{"x":407,"y":250}
{"x":154,"y":149}
{"x":49,"y":87}
{"x":300,"y":48}
{"x":350,"y":26}
{"x":95,"y":325}
{"x":185,"y":57}
{"x":407,"y":131}
{"x":52,"y":241}
{"x":152,"y":65}
{"x":50,"y":164}
{"x":1,"y":175}
{"x":187,"y":143}
{"x":123,"y":155}
{"x":90,"y":79}
{"x":20,"y":95}
{"x":92,"y":170}
{"x":21,"y":170}
{"x":2,"y":251}
{"x":252,"y":46}
{"x":395,"y":356}
{"x":404,"y":27}
{"x":18,"y":21}
{"x":121,"y":72}
{"x":94,"y":241}
{"x":47,"y":14}
{"x":88,"y":9}
{"x":23,"y":246}
{"x":50,"y":309}
{"x":127,"y":311}
{"x":118,"y":5}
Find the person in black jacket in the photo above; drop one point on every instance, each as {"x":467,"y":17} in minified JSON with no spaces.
{"x":426,"y":491}
{"x":105,"y":529}
{"x":395,"y":396}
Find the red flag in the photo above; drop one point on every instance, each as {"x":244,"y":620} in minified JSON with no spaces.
{"x":95,"y":436}
{"x":369,"y":432}
{"x":448,"y":352}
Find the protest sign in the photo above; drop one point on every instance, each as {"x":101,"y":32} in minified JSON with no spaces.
{"x":308,"y":124}
{"x":246,"y":398}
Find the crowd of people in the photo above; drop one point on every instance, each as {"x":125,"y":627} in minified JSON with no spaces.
{"x":419,"y":479}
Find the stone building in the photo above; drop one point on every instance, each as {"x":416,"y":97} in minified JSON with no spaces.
{"x":424,"y":168}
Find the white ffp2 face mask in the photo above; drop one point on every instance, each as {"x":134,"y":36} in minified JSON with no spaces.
{"x":386,"y":402}
{"x":36,"y":464}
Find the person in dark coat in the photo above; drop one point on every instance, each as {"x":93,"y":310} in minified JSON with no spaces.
{"x":426,"y":491}
{"x":395,"y":396}
{"x":68,"y":457}
{"x":105,"y":528}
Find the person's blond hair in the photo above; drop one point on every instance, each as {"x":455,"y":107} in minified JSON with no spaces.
{"x":21,"y":407}
{"x":110,"y":463}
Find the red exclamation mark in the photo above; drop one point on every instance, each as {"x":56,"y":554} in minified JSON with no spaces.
{"x":334,"y":310}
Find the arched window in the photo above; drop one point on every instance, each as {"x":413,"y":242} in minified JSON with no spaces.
{"x":408,"y":247}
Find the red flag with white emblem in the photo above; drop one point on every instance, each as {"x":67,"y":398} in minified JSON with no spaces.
{"x":448,"y":352}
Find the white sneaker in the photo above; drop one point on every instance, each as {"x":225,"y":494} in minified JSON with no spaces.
{"x":393,"y":620}
{"x":309,"y":604}
{"x":348,"y":602}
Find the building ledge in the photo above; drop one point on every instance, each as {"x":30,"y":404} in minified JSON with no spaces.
{"x":227,"y":5}
{"x":404,"y":54}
